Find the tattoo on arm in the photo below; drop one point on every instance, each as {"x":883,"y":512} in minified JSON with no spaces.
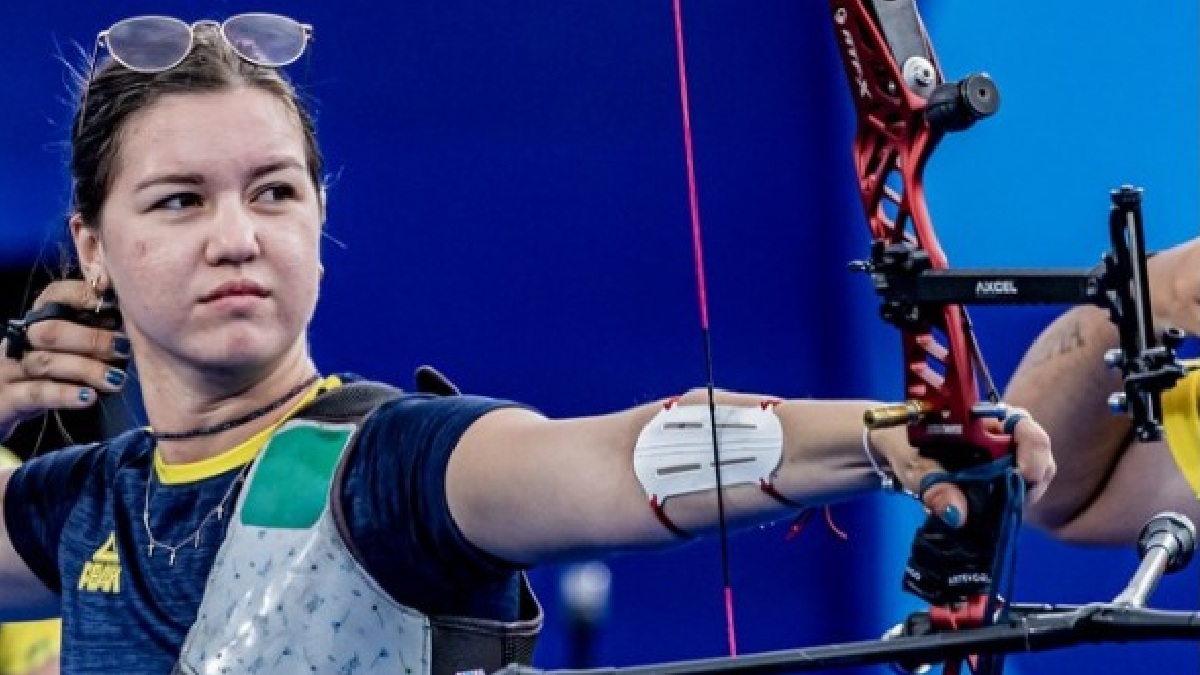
{"x":1061,"y":341}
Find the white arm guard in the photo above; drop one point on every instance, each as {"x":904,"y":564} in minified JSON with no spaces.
{"x":674,"y":452}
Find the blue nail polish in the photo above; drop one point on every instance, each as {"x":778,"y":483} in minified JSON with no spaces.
{"x":115,"y":377}
{"x":120,"y":346}
{"x":85,"y":395}
{"x":952,"y":516}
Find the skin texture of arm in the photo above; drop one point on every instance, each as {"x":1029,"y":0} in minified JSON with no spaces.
{"x":1107,"y":486}
{"x":534,"y":490}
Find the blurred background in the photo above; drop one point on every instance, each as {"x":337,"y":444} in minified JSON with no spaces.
{"x":508,"y":202}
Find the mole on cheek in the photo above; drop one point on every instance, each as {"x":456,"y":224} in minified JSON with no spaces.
{"x":139,"y":250}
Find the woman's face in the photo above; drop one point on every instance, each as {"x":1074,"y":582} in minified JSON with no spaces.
{"x":209,"y":234}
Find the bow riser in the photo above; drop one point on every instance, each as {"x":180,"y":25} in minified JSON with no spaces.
{"x":893,"y":143}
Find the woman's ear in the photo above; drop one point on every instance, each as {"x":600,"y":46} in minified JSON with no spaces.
{"x":88,"y":246}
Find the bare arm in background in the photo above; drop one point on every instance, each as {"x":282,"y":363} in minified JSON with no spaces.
{"x":1107,"y":485}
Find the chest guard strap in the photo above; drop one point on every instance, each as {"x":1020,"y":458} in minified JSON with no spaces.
{"x":460,"y":644}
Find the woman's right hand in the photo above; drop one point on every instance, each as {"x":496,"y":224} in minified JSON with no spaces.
{"x":65,"y":367}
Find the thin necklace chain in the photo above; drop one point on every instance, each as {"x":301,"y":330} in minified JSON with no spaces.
{"x":219,"y":510}
{"x":194,"y":538}
{"x":238,"y":421}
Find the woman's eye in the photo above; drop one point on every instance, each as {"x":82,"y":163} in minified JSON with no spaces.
{"x":177,"y":202}
{"x":277,"y":193}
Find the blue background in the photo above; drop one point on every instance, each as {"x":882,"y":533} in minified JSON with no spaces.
{"x":507,"y":184}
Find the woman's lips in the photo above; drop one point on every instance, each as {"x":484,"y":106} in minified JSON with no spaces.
{"x":241,"y":288}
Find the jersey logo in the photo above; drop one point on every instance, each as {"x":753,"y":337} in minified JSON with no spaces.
{"x":103,"y":573}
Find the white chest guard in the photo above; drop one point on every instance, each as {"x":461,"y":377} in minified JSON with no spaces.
{"x":287,"y":593}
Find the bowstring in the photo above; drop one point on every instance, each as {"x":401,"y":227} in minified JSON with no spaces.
{"x":702,"y":295}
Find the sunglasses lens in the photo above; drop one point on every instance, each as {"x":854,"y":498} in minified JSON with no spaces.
{"x":149,"y":43}
{"x":266,"y":39}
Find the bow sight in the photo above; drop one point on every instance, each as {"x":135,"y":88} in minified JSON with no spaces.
{"x":910,"y":290}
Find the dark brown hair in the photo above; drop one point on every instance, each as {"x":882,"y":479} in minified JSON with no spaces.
{"x":115,"y":93}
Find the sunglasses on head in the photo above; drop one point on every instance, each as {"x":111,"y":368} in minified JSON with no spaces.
{"x":153,"y":44}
